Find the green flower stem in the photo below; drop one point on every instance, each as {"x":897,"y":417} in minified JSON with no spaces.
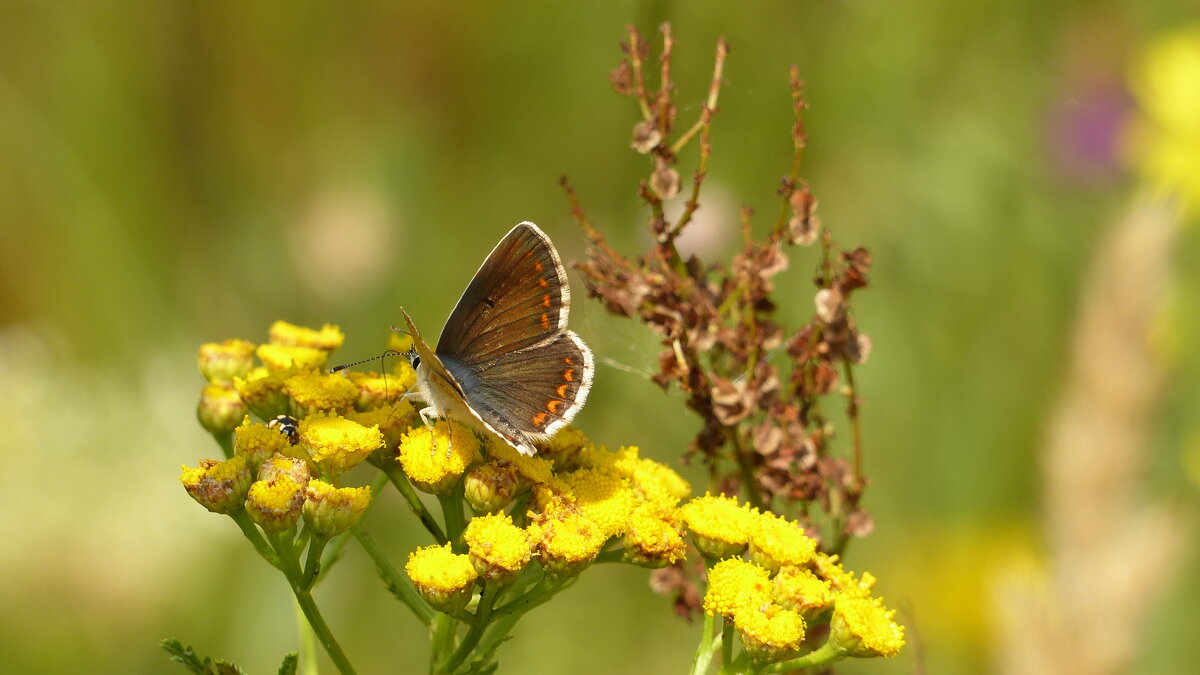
{"x":444,"y":630}
{"x":726,"y":645}
{"x":291,"y":568}
{"x":614,"y":555}
{"x":312,"y":564}
{"x":482,"y":618}
{"x":251,"y":532}
{"x":826,"y":653}
{"x":225,"y":440}
{"x":399,"y":584}
{"x":334,"y":553}
{"x":507,"y":615}
{"x":452,"y":514}
{"x":308,"y":643}
{"x":709,"y":644}
{"x":396,"y":474}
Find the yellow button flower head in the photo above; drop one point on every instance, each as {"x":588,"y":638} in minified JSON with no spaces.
{"x":311,"y":392}
{"x":720,"y":525}
{"x":281,"y":466}
{"x":863,"y":627}
{"x":770,"y":633}
{"x":263,"y":393}
{"x":434,"y":458}
{"x":536,"y":470}
{"x":777,"y":541}
{"x":499,"y":550}
{"x":842,"y":582}
{"x":375,"y":390}
{"x":654,"y":536}
{"x":603,"y":496}
{"x":219,"y":487}
{"x":654,"y":482}
{"x":567,"y":441}
{"x":567,"y":543}
{"x":285,"y":359}
{"x":799,"y":589}
{"x":220,"y":408}
{"x":444,"y":579}
{"x":257,"y":443}
{"x":734,"y":583}
{"x":336,"y":444}
{"x":393,"y":420}
{"x":223,"y":361}
{"x":327,"y":339}
{"x":330,"y":511}
{"x":490,"y":487}
{"x":275,"y":504}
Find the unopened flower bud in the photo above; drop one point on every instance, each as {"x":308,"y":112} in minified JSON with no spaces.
{"x":263,"y":394}
{"x":653,"y":536}
{"x":275,"y":504}
{"x":499,"y":550}
{"x":327,"y":339}
{"x":223,"y":361}
{"x":220,"y":409}
{"x":490,"y":487}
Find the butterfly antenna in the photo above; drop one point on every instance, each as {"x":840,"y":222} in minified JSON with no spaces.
{"x":387,"y":352}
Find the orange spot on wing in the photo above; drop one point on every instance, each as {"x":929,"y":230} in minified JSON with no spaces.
{"x":569,"y":374}
{"x":539,"y":266}
{"x":545,"y":321}
{"x":567,"y":360}
{"x":552,"y":406}
{"x":546,"y":300}
{"x":562,"y":390}
{"x":539,"y":419}
{"x":543,"y":283}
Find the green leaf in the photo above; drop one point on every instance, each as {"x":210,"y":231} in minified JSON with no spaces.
{"x":181,"y":653}
{"x":290,"y":662}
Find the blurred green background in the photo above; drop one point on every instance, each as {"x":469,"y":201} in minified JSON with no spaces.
{"x":173,"y":173}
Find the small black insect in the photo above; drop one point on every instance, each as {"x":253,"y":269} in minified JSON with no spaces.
{"x":286,"y":425}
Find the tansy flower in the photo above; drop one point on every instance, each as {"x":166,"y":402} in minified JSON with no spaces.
{"x":223,"y":361}
{"x":498,"y":549}
{"x":263,"y":393}
{"x":490,"y":487}
{"x":337,"y":444}
{"x":282,"y":466}
{"x":733,"y":583}
{"x":769,"y":633}
{"x":435,"y":457}
{"x":275,"y":504}
{"x":1166,"y":142}
{"x":654,"y":536}
{"x":777,"y":541}
{"x":257,"y":443}
{"x":327,"y":339}
{"x":567,"y":543}
{"x":311,"y":392}
{"x":842,"y":582}
{"x":400,"y":343}
{"x":603,"y":496}
{"x":568,"y":440}
{"x":330,"y":511}
{"x":394,"y":420}
{"x":799,"y":589}
{"x":536,"y":470}
{"x":863,"y":627}
{"x":375,"y":390}
{"x":444,"y":579}
{"x":220,"y":408}
{"x":287,"y":359}
{"x":721,"y":526}
{"x":653,"y":481}
{"x":219,"y":487}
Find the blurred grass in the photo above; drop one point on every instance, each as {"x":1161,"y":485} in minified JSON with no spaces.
{"x":173,"y":173}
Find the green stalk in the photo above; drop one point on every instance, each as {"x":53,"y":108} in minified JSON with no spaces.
{"x":453,"y":515}
{"x":826,"y":653}
{"x":291,"y":569}
{"x":398,"y":583}
{"x":251,"y":532}
{"x":482,"y":618}
{"x":396,"y":474}
{"x":709,"y":644}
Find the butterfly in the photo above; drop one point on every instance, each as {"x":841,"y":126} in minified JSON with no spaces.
{"x":505,"y":362}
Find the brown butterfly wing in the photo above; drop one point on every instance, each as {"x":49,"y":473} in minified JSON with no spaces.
{"x":517,"y":299}
{"x":532,"y":393}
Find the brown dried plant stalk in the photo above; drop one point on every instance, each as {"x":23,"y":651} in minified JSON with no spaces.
{"x":764,"y":431}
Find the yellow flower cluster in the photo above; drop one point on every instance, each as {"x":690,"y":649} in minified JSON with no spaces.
{"x":784,"y":584}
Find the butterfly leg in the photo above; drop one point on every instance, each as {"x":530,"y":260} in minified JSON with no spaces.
{"x":427,"y":414}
